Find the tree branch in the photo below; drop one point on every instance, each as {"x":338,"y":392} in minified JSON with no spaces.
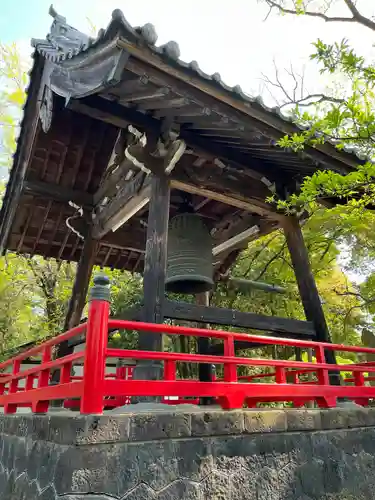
{"x":356,"y":18}
{"x":272,"y":259}
{"x":315,"y":99}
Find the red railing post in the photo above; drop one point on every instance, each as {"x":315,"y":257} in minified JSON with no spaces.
{"x":13,"y":387}
{"x":92,"y":400}
{"x":42,"y":406}
{"x":322,"y":373}
{"x":169,"y":370}
{"x":230,"y":370}
{"x":280,"y":375}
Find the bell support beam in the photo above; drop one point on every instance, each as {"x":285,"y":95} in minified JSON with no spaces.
{"x":306,"y":283}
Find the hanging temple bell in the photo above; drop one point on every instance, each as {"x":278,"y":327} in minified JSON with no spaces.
{"x":190,"y":261}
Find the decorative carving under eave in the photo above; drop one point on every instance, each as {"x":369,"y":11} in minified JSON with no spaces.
{"x":46,"y":109}
{"x":62,"y":38}
{"x":158,"y":155}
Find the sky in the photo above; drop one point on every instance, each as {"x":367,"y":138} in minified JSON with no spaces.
{"x":232,"y":38}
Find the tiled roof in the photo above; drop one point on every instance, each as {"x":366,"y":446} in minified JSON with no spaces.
{"x":64,"y":42}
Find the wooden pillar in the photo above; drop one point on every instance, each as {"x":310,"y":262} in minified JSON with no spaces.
{"x":205,"y":371}
{"x":154,"y":275}
{"x":306,"y":282}
{"x":81,"y":282}
{"x":78,"y":298}
{"x":155,"y":260}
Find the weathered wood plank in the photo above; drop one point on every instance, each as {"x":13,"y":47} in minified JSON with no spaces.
{"x":230,"y":317}
{"x":234,"y":201}
{"x":57,"y":193}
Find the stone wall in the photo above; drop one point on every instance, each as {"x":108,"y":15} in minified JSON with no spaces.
{"x":196,"y":455}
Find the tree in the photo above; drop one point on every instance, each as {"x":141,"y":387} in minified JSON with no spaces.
{"x":344,"y":114}
{"x":13,"y":80}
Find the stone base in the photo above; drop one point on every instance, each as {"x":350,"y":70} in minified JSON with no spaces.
{"x":190,"y":455}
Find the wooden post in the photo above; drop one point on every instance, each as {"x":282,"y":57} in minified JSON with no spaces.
{"x":78,"y":298}
{"x":154,"y":275}
{"x":204,"y":370}
{"x":81,"y":283}
{"x":306,"y":285}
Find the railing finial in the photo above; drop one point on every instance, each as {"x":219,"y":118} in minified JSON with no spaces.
{"x":100,"y":290}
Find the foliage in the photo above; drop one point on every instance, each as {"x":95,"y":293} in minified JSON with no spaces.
{"x":344,"y":115}
{"x":13,"y":80}
{"x":126,"y":298}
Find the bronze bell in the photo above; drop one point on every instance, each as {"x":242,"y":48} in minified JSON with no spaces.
{"x":190,"y":265}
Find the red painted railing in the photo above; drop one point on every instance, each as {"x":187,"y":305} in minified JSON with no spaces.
{"x":96,"y":390}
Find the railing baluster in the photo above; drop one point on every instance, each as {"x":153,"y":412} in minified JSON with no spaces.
{"x":13,"y":387}
{"x":359,"y":381}
{"x":322,"y":373}
{"x":280,"y":375}
{"x":42,"y":406}
{"x":29,"y":382}
{"x":230,"y":370}
{"x":169,"y":370}
{"x":66,"y":373}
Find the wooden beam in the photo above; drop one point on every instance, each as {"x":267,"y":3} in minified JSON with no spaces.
{"x":131,"y":198}
{"x":244,"y":285}
{"x":230,"y":317}
{"x":110,"y":184}
{"x":306,"y":282}
{"x":223,"y":177}
{"x":236,"y":240}
{"x":243,"y":204}
{"x":57,"y":193}
{"x":98,"y":114}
